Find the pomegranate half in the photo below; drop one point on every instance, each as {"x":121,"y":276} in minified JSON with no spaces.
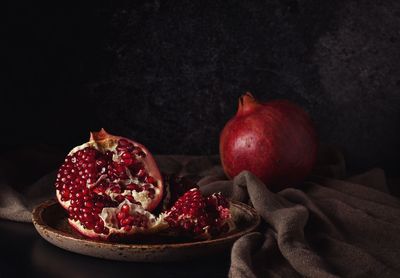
{"x":109,"y":186}
{"x":276,"y":141}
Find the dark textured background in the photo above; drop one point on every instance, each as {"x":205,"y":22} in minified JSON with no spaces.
{"x":168,"y":73}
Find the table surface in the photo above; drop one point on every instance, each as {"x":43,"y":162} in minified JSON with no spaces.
{"x":25,"y":254}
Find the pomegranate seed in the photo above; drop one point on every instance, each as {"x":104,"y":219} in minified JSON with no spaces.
{"x":98,"y":228}
{"x":120,"y":198}
{"x":127,"y":221}
{"x":132,"y":186}
{"x":125,"y":208}
{"x":87,"y":217}
{"x":124,"y":145}
{"x":99,"y":190}
{"x":90,"y":180}
{"x":130,"y":198}
{"x":127,"y":228}
{"x":115,"y":189}
{"x":141,"y":173}
{"x":121,"y":215}
{"x":150,"y":179}
{"x":127,"y":158}
{"x":97,"y":210}
{"x":85,"y":210}
{"x":78,"y":202}
{"x":86,"y":198}
{"x":89,"y":225}
{"x":89,"y":204}
{"x":101,"y":163}
{"x":65,"y":194}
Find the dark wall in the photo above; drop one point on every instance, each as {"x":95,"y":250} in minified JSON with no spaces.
{"x":168,"y":73}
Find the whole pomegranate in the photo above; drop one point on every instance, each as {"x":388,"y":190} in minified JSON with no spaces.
{"x":276,"y":141}
{"x":109,"y":185}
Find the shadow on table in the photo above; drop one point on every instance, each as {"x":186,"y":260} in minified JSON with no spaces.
{"x":25,"y":254}
{"x":53,"y":261}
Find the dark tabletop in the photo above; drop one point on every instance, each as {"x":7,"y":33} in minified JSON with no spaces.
{"x":25,"y":254}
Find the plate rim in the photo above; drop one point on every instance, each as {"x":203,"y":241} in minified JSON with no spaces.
{"x":39,"y":223}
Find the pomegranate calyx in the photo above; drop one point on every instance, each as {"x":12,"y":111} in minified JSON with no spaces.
{"x":247,"y":103}
{"x":99,"y":135}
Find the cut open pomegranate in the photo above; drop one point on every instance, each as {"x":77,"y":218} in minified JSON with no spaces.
{"x":108,"y":172}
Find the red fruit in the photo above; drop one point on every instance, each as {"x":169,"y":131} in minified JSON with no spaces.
{"x":96,"y":175}
{"x":276,"y":141}
{"x":196,"y":216}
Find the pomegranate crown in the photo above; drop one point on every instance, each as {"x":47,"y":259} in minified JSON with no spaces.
{"x":247,"y":102}
{"x":99,"y":135}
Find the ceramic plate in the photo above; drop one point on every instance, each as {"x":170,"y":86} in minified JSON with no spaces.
{"x":50,"y":220}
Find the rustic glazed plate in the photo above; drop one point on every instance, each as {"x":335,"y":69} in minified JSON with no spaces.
{"x":50,"y":221}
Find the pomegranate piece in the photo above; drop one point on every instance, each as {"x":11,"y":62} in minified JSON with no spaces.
{"x":102,"y":174}
{"x":276,"y":141}
{"x":199,"y":217}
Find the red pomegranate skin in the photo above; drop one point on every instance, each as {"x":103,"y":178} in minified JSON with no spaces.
{"x":276,"y":141}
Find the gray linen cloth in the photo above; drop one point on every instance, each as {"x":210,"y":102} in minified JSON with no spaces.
{"x":329,"y":226}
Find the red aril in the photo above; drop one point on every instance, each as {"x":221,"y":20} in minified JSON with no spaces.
{"x":276,"y":141}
